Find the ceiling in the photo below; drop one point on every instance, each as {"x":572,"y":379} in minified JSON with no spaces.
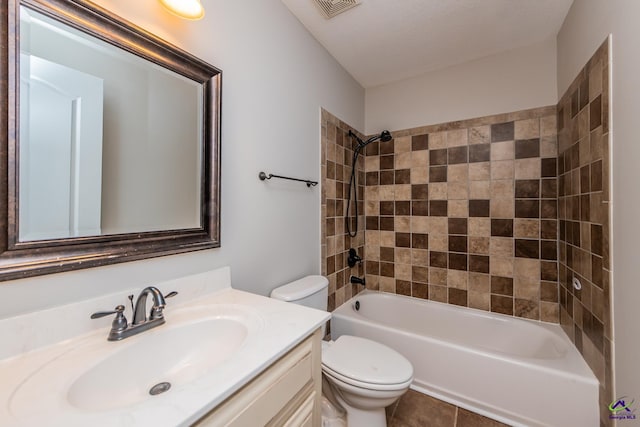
{"x":382,"y":41}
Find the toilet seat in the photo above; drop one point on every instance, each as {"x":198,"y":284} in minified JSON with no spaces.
{"x":366,"y":364}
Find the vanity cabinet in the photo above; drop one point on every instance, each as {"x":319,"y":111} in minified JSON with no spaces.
{"x":287,"y":393}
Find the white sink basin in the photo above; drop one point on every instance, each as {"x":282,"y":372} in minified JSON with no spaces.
{"x":102,"y":376}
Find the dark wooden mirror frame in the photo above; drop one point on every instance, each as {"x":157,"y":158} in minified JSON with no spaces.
{"x":34,"y":258}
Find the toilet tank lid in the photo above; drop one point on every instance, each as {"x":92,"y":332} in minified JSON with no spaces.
{"x":301,"y":288}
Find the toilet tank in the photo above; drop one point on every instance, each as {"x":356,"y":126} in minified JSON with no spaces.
{"x":310,"y":291}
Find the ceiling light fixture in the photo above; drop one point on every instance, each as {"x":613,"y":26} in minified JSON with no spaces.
{"x":187,"y":9}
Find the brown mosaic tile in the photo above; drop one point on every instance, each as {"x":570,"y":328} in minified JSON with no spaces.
{"x":457,"y":226}
{"x":502,"y":285}
{"x":458,"y":297}
{"x":502,"y":132}
{"x":420,"y":192}
{"x":438,"y":259}
{"x":421,"y":208}
{"x":479,"y":208}
{"x":438,"y":208}
{"x":502,"y":304}
{"x":502,"y":227}
{"x":527,"y":209}
{"x":526,"y":148}
{"x":419,"y":142}
{"x":458,"y":155}
{"x":527,"y":248}
{"x":420,"y":241}
{"x":438,"y":174}
{"x":457,"y":243}
{"x":438,"y":157}
{"x":527,"y":189}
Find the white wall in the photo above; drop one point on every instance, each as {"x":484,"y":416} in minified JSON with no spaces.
{"x":514,"y":80}
{"x":586,"y":27}
{"x":275,"y":79}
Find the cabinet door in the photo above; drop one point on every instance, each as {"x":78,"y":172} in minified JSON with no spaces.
{"x":285,"y":394}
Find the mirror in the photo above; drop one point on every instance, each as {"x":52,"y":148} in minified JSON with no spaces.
{"x":111,"y":145}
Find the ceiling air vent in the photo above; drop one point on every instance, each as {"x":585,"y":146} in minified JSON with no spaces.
{"x":331,"y":8}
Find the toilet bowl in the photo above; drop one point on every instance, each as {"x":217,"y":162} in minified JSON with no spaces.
{"x":361,"y":375}
{"x":365,"y":377}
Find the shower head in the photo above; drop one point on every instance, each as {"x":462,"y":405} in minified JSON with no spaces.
{"x":385,"y":136}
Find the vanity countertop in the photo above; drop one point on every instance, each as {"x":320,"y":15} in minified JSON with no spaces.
{"x":33,"y":393}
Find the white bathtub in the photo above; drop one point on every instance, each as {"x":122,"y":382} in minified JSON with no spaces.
{"x":520,"y":372}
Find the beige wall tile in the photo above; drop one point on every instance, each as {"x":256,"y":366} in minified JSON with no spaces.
{"x":527,"y":268}
{"x":386,"y":192}
{"x":479,"y":190}
{"x":420,"y":158}
{"x":479,"y":300}
{"x":501,"y":247}
{"x":480,"y":171}
{"x":403,"y":224}
{"x":420,"y":257}
{"x":438,"y":276}
{"x":548,"y":146}
{"x":457,"y":279}
{"x":373,"y":237}
{"x":548,"y":126}
{"x":403,"y":160}
{"x":371,"y":193}
{"x":528,"y":228}
{"x":403,"y":255}
{"x":527,"y":129}
{"x":438,"y":242}
{"x":502,"y":169}
{"x":420,"y":224}
{"x":526,"y":288}
{"x":480,"y":135}
{"x":402,"y":144}
{"x":438,"y":191}
{"x":458,"y":208}
{"x":527,"y":168}
{"x":502,"y":189}
{"x":502,"y":150}
{"x":479,"y":227}
{"x":501,"y":266}
{"x":437,"y":140}
{"x":402,"y":271}
{"x":502,"y":208}
{"x":479,"y":282}
{"x":419,"y":175}
{"x":402,"y":192}
{"x":458,"y":173}
{"x":457,"y":137}
{"x":387,"y":239}
{"x":479,"y":245}
{"x":458,"y":191}
{"x":388,"y":284}
{"x":439,"y":225}
{"x":372,"y":164}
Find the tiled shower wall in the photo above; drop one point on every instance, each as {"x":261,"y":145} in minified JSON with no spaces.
{"x":336,"y":158}
{"x":584,"y":206}
{"x":466,"y":213}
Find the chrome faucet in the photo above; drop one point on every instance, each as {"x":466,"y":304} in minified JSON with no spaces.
{"x":120,"y":329}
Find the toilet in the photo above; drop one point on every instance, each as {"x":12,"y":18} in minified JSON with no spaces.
{"x":364,"y":376}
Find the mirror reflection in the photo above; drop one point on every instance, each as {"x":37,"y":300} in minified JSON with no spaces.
{"x":110,"y":143}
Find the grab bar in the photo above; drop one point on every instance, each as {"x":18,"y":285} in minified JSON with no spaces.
{"x":264,"y":176}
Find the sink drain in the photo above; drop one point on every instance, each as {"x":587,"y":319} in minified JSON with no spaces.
{"x":159,"y":388}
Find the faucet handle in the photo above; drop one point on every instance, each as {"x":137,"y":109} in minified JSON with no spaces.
{"x":119,"y":310}
{"x":171,"y":294}
{"x":119,"y":324}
